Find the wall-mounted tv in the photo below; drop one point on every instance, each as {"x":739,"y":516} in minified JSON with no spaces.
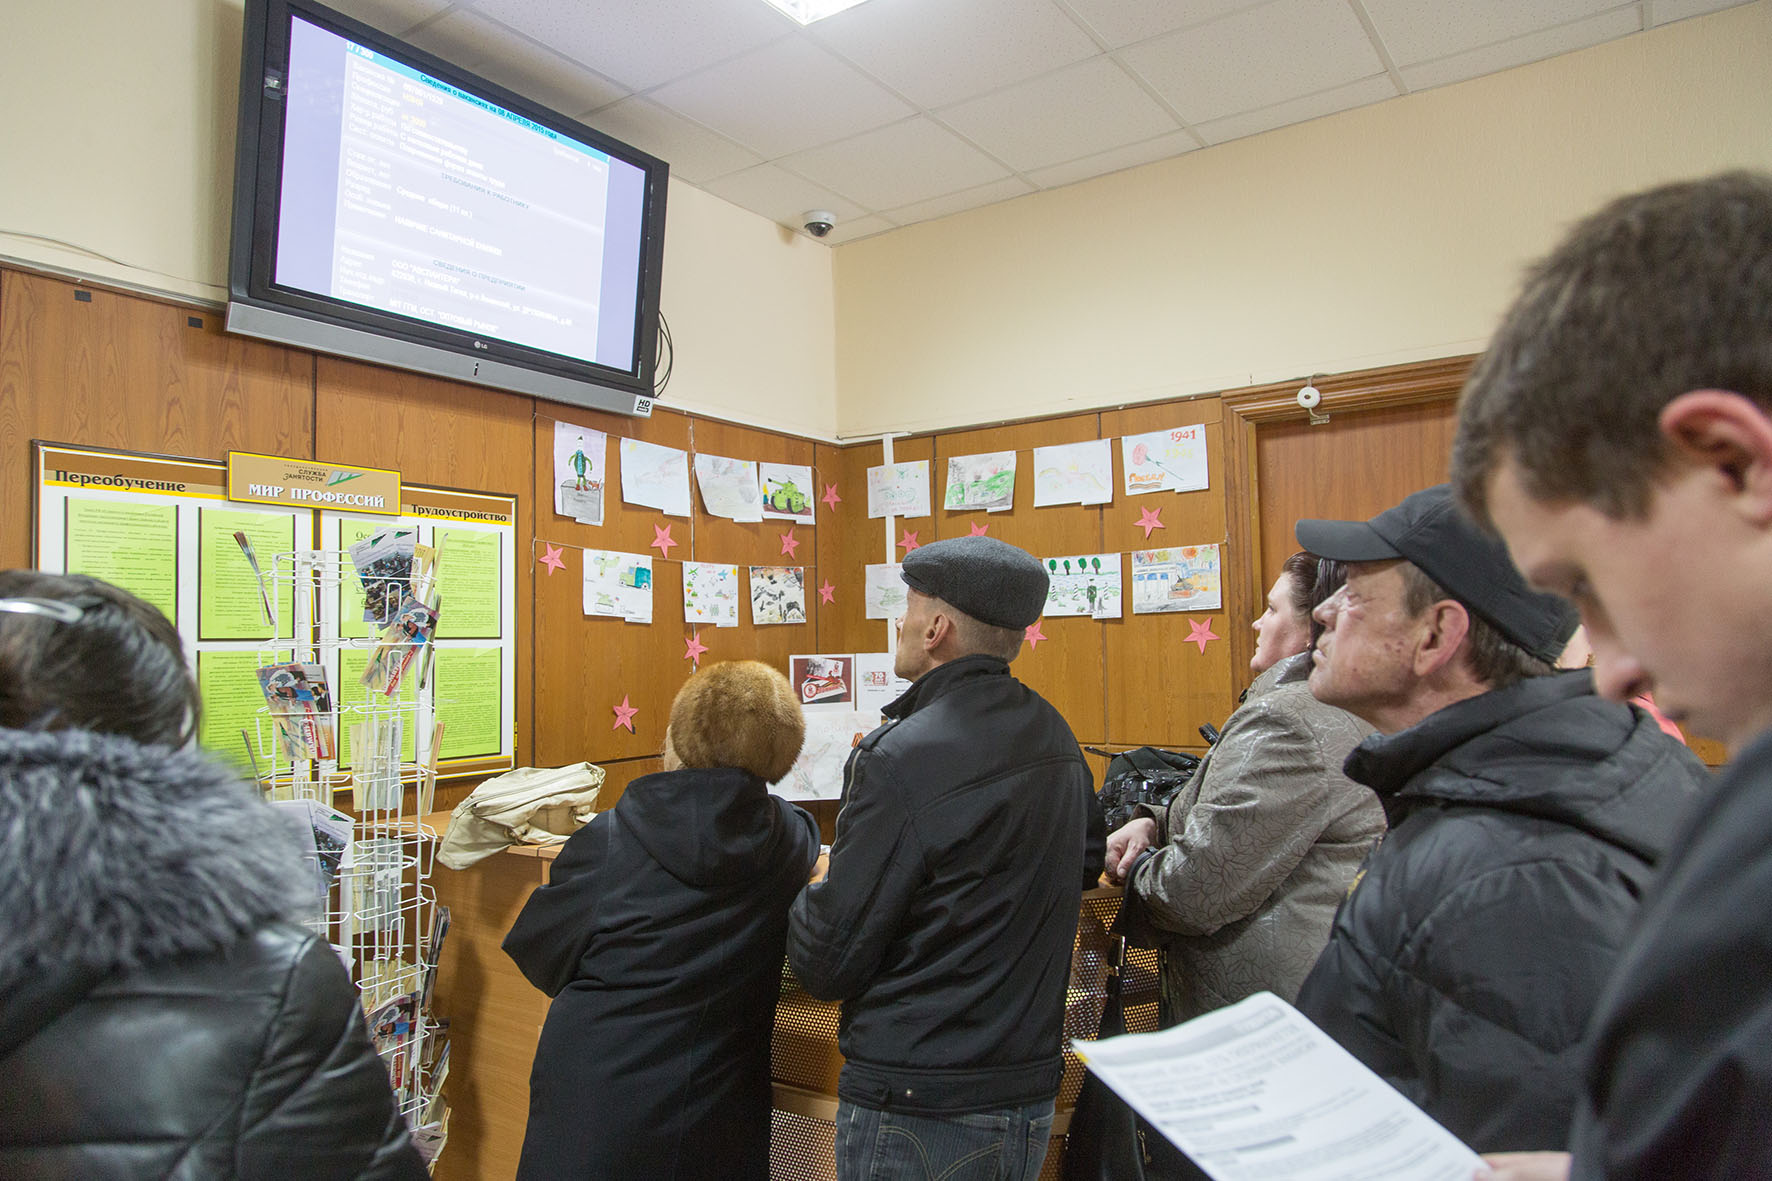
{"x":393,"y":208}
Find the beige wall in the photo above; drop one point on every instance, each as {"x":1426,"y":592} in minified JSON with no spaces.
{"x":1387,"y":234}
{"x":119,"y":141}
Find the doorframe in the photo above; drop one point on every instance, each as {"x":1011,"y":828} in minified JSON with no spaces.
{"x":1246,"y":411}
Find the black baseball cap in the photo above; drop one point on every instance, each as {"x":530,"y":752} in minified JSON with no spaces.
{"x":1431,"y":531}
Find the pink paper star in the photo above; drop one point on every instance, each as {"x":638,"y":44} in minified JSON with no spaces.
{"x":551,"y":558}
{"x":827,"y":593}
{"x":693,"y":648}
{"x":909,"y":541}
{"x":789,"y":543}
{"x":979,"y":530}
{"x":1150,"y":518}
{"x":830,"y":496}
{"x":1202,"y":632}
{"x":1034,"y":634}
{"x":624,"y":715}
{"x":661,"y":540}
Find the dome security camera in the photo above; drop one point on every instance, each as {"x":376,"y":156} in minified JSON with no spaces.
{"x":819,"y":222}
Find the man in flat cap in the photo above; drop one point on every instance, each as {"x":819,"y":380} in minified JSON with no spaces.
{"x":1526,"y":816}
{"x":946,"y":920}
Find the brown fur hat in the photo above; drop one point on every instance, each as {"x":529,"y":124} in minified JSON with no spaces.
{"x":738,"y":713}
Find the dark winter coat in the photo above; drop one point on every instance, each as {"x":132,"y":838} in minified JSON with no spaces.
{"x":946,"y":924}
{"x":659,"y":935}
{"x":1679,"y":1078}
{"x":198,"y":1035}
{"x":1525,"y":825}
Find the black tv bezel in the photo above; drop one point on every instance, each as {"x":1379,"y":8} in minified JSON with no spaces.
{"x":258,"y":307}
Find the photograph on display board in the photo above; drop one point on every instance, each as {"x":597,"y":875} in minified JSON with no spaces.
{"x":1185,"y":578}
{"x":823,"y":681}
{"x":778,"y":594}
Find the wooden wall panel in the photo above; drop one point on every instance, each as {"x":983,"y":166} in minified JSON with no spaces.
{"x":1160,"y":688}
{"x":848,"y":542}
{"x":447,"y":435}
{"x":1066,"y":668}
{"x":585,"y":665}
{"x":135,"y":374}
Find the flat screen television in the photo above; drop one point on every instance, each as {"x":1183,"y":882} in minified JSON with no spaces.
{"x":393,"y":208}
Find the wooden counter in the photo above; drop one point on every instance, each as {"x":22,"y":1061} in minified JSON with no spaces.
{"x":495,"y":1018}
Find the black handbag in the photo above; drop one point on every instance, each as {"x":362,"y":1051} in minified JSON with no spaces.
{"x":1105,"y":1142}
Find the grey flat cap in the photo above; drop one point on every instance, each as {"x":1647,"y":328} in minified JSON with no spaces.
{"x":990,"y":580}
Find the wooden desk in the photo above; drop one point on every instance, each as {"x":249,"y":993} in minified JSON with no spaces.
{"x":495,"y":1018}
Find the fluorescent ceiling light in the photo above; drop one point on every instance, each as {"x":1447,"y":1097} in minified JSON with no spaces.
{"x":807,"y":11}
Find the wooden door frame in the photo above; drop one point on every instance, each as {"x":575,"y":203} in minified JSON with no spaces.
{"x":1246,"y":411}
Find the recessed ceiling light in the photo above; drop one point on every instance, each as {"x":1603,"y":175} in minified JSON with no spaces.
{"x":807,"y":11}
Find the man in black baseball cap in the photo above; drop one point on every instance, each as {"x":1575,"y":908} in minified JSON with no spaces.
{"x":946,"y":920}
{"x":1526,"y":814}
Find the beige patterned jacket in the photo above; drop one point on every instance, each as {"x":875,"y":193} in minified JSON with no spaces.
{"x":1258,"y":850}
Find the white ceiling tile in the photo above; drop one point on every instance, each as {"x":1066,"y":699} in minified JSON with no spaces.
{"x":1257,"y":58}
{"x":1102,"y":163}
{"x":899,"y":164}
{"x":1420,"y":30}
{"x":1530,"y":48}
{"x":496,"y":53}
{"x":780,"y":196}
{"x":639,"y":44}
{"x":863,"y":227}
{"x":998,"y":190}
{"x":392,"y":16}
{"x":783,"y":98}
{"x":694,"y":153}
{"x":1341,"y":98}
{"x":1085,"y":108}
{"x":1121,"y":22}
{"x":936,"y":52}
{"x":1662,"y":12}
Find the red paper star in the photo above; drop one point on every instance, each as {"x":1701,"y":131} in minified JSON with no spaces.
{"x":979,"y":530}
{"x":827,"y":593}
{"x":1034,"y":634}
{"x":661,"y":539}
{"x":909,"y":541}
{"x":693,"y":648}
{"x":551,"y":558}
{"x":624,"y":716}
{"x":1202,"y":632}
{"x":830,"y":496}
{"x":789,"y":543}
{"x":1150,"y":518}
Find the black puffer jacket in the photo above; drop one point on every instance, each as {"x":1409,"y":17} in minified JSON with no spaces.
{"x":968,"y":831}
{"x":1464,"y":966}
{"x":161,"y":1019}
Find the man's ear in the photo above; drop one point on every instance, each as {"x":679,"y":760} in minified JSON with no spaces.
{"x":939,"y":632}
{"x":1729,"y":435}
{"x":1444,"y":628}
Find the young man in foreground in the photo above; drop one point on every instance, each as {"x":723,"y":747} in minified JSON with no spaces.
{"x":1618,"y":435}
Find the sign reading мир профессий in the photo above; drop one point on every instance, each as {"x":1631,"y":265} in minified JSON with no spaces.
{"x":304,"y":483}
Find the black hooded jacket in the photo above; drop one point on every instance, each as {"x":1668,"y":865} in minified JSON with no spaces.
{"x":1464,"y":966}
{"x":163,"y":1018}
{"x":659,"y":935}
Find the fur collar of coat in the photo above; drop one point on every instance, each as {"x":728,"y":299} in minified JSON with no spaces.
{"x":115,"y":854}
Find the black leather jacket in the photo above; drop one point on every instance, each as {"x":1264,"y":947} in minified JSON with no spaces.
{"x":969,"y":829}
{"x":163,"y":1021}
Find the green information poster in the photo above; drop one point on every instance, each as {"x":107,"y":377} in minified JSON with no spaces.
{"x":468,"y":575}
{"x":230,"y":605}
{"x":228,"y":685}
{"x":349,"y":693}
{"x":134,"y":546}
{"x":466,"y":684}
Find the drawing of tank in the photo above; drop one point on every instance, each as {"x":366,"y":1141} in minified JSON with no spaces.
{"x":788,"y":499}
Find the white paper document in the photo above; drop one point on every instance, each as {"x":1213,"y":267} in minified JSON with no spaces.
{"x":580,"y":454}
{"x":655,"y":476}
{"x":1074,"y":473}
{"x":899,"y":489}
{"x":1255,"y":1092}
{"x":729,"y":487}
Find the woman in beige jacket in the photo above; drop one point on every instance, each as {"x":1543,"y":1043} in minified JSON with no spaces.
{"x":1239,"y":877}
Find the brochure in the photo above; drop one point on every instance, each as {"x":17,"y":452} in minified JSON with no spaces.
{"x":384,"y":562}
{"x":301,"y":707}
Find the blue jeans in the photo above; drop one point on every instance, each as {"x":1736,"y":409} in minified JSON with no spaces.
{"x":1004,"y":1145}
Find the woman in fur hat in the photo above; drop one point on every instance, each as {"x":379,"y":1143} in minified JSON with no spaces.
{"x":159,"y":1014}
{"x":660,"y":935}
